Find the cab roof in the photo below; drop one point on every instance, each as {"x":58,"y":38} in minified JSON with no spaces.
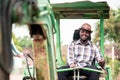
{"x":81,"y":10}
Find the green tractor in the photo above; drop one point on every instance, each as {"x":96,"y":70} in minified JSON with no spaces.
{"x":43,"y":21}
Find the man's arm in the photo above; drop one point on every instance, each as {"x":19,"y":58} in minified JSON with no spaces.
{"x":100,"y":59}
{"x":70,"y":56}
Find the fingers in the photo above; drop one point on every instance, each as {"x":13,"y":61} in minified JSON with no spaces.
{"x":102,"y":63}
{"x":72,"y":65}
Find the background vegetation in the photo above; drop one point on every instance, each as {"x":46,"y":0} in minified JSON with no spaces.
{"x":111,"y":36}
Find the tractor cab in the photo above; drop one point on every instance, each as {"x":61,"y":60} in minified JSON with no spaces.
{"x":80,"y":10}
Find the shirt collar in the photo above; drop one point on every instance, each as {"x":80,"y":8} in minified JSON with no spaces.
{"x":88,"y":43}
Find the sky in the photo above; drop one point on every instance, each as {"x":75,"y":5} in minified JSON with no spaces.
{"x":68,"y":26}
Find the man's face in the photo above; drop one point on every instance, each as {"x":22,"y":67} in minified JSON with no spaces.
{"x":85,"y":33}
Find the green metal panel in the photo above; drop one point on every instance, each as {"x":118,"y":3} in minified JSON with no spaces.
{"x":59,"y":60}
{"x":81,"y":10}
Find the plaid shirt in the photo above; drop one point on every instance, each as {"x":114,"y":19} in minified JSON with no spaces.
{"x":82,"y":55}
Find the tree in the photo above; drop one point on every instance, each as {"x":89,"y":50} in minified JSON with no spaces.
{"x":111,"y":34}
{"x":21,"y":42}
{"x":15,"y":40}
{"x":25,"y":42}
{"x":111,"y":31}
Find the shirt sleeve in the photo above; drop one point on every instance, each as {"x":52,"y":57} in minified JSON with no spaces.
{"x":70,"y":54}
{"x":98,"y":55}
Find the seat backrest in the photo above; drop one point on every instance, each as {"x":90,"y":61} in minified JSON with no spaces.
{"x":76,"y":35}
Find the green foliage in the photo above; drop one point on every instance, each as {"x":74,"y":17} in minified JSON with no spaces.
{"x":111,"y":34}
{"x":116,"y":68}
{"x":25,"y":42}
{"x":15,"y":40}
{"x":22,"y":42}
{"x":111,"y":27}
{"x":111,"y":31}
{"x":114,"y":65}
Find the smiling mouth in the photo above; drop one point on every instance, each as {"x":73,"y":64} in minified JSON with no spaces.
{"x":84,"y":37}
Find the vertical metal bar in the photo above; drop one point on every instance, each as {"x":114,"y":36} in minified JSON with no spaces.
{"x":58,"y":46}
{"x":51,"y":56}
{"x":74,"y":74}
{"x":108,"y":77}
{"x":102,"y":34}
{"x":78,"y":74}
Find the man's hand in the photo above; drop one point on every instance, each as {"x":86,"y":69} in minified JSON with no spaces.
{"x":101,"y":63}
{"x":72,"y":65}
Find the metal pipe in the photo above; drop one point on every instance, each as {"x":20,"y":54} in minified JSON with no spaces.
{"x":89,"y":69}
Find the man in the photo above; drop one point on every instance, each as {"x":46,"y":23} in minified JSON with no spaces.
{"x":82,"y":53}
